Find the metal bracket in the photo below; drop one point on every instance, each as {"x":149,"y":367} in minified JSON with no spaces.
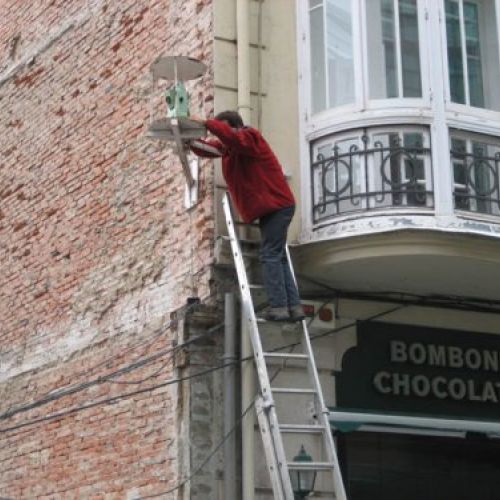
{"x":177,"y":126}
{"x":191,"y":193}
{"x":181,"y":151}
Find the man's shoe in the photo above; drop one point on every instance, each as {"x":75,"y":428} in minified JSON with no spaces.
{"x":277,"y":314}
{"x":297,"y":313}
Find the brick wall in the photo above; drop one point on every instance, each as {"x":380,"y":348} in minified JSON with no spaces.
{"x":96,"y":248}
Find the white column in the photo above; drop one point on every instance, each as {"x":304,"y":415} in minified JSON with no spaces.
{"x":441,"y":161}
{"x":243,"y":62}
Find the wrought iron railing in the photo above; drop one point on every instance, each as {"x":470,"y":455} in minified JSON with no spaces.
{"x":476,"y":165}
{"x":369,"y":169}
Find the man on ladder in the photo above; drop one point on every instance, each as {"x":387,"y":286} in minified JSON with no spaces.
{"x":259,"y":190}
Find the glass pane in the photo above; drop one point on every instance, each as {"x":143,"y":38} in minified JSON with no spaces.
{"x":455,"y":62}
{"x":382,"y":53}
{"x":458,"y":158}
{"x":318,"y":74}
{"x":473,"y":54}
{"x":410,"y":54}
{"x":337,"y":177}
{"x":476,"y":169}
{"x":415,"y":169}
{"x":479,"y":29}
{"x":397,"y":466}
{"x":483,"y":177}
{"x":340,"y":52}
{"x":383,"y":65}
{"x":482,"y":53}
{"x":390,"y":52}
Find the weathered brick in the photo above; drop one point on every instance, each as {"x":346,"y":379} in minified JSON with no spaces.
{"x":94,"y":241}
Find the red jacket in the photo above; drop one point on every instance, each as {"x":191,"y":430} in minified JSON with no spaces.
{"x":252,"y":172}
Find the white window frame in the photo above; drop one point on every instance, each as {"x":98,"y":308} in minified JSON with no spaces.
{"x":434,"y":109}
{"x":363,"y":112}
{"x":362,"y":102}
{"x":399,"y":102}
{"x":357,"y":104}
{"x":469,"y":138}
{"x":464,"y":116}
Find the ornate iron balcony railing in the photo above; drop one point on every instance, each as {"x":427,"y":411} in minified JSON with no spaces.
{"x":476,"y":162}
{"x":370,"y":169}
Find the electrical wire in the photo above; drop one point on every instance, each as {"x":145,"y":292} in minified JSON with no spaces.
{"x":145,"y":342}
{"x":181,"y":379}
{"x":170,"y":382}
{"x":150,"y":376}
{"x":208,"y":458}
{"x":433,"y":300}
{"x":116,"y":398}
{"x":105,"y":378}
{"x":239,"y":420}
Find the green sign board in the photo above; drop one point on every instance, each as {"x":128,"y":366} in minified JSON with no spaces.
{"x":418,"y":370}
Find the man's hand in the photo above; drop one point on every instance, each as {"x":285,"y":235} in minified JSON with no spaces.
{"x":199,"y":120}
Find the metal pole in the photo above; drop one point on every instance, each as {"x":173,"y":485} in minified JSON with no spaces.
{"x":243,"y":61}
{"x":229,"y":397}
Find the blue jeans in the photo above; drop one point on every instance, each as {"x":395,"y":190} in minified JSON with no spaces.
{"x":278,"y":281}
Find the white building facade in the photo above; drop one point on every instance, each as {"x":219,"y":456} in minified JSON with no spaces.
{"x":386,"y":114}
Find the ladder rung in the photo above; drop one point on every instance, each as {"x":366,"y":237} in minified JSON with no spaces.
{"x":285,"y":355}
{"x":250,"y":224}
{"x":255,"y":286}
{"x":242,"y":241}
{"x":251,"y":255}
{"x":294,"y":390}
{"x":272,"y":432}
{"x":301,"y":428}
{"x":310,"y":465}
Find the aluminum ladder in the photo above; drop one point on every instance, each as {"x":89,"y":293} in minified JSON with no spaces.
{"x":272,"y":432}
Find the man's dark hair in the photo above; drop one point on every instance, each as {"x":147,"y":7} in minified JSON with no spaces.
{"x":232,"y":117}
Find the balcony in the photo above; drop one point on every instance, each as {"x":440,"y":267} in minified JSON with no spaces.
{"x":371,"y":169}
{"x":389,"y":170}
{"x":476,"y":160}
{"x":376,"y":223}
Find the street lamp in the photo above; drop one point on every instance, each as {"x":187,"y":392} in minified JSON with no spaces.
{"x":302,"y":479}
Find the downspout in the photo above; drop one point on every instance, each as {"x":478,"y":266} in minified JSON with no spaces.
{"x":247,"y":372}
{"x":259,"y":66}
{"x":229,"y":396}
{"x":243,"y":61}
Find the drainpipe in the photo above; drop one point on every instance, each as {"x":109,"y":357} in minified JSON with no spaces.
{"x":243,"y":62}
{"x":229,"y":397}
{"x":248,"y":422}
{"x":247,"y":370}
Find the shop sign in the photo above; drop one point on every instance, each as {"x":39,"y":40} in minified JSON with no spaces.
{"x":412,"y":369}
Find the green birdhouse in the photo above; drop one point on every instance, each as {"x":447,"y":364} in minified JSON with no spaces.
{"x":177,"y":101}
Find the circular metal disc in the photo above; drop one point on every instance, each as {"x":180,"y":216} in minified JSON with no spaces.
{"x":187,"y":68}
{"x":188,"y":129}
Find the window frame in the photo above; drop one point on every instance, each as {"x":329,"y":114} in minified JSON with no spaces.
{"x":460,"y":115}
{"x":470,"y":139}
{"x":398,"y":102}
{"x":434,"y":109}
{"x":362,"y":101}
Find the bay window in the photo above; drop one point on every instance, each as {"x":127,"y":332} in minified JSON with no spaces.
{"x":393,"y":52}
{"x":403,"y":106}
{"x":472,"y":49}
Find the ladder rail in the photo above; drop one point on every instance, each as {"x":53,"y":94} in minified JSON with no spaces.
{"x":321,"y":408}
{"x":277,"y":458}
{"x":278,"y":466}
